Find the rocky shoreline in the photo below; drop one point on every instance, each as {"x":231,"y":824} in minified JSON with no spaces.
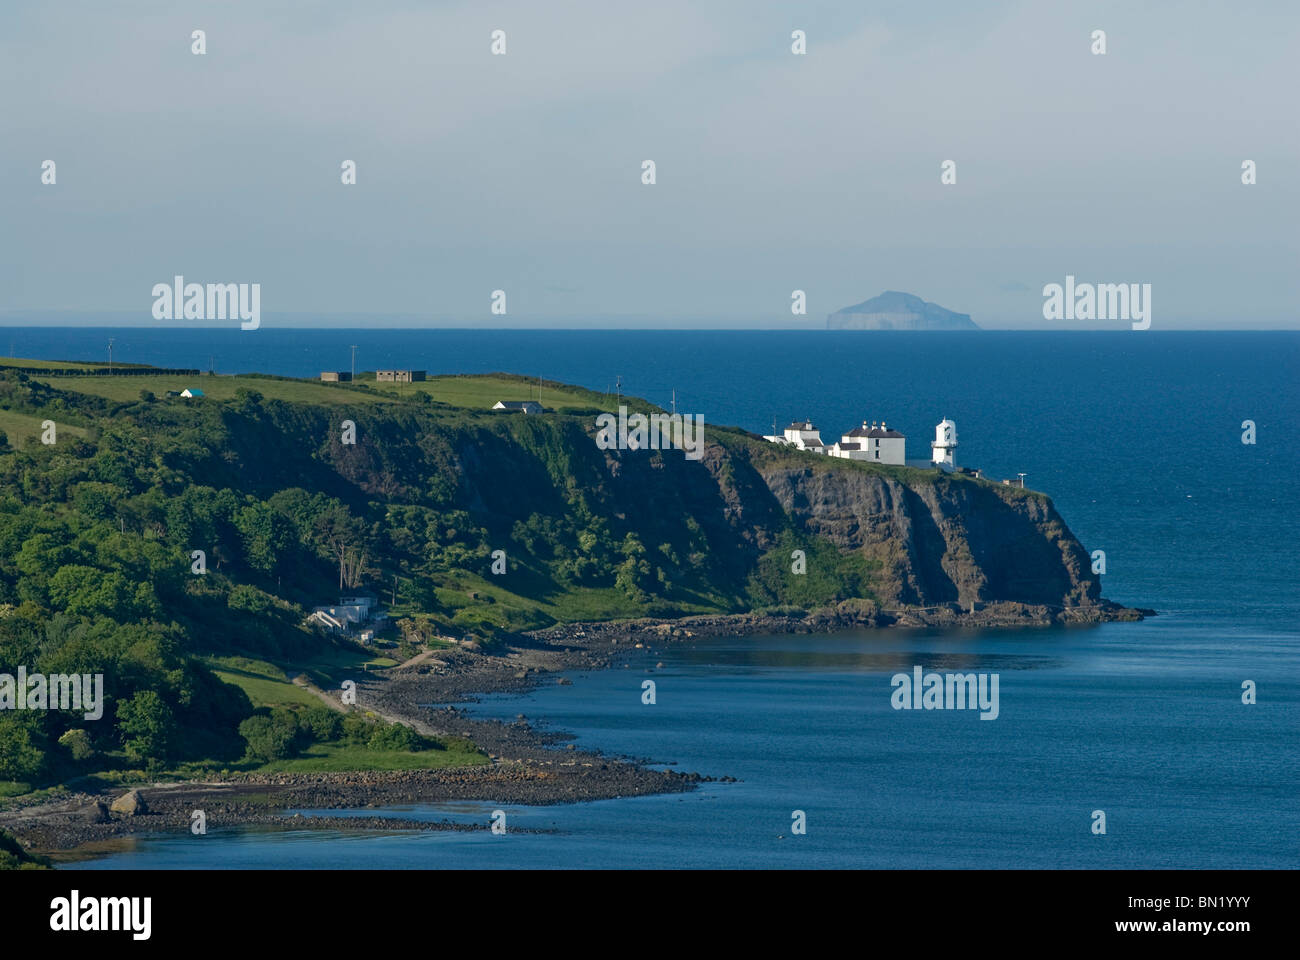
{"x":527,"y":766}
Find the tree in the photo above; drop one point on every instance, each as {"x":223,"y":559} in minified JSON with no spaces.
{"x":86,"y":591}
{"x":266,"y":536}
{"x":322,"y":723}
{"x":394,"y":736}
{"x":21,"y":757}
{"x":271,"y":737}
{"x":344,"y":536}
{"x":77,"y":742}
{"x":146,"y":726}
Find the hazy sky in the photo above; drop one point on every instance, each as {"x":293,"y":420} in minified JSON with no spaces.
{"x":775,"y":172}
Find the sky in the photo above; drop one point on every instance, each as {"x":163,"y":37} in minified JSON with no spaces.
{"x":775,"y":172}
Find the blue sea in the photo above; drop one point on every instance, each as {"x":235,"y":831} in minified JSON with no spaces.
{"x":1137,"y":437}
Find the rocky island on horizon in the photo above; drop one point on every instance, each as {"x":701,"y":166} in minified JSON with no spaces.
{"x":893,"y":310}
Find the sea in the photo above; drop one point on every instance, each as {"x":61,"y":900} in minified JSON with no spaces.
{"x":1139,"y":437}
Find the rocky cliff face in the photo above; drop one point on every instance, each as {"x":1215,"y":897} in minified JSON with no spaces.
{"x":723,"y":527}
{"x":941,"y":539}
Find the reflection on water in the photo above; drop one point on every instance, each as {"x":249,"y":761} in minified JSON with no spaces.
{"x":863,"y":661}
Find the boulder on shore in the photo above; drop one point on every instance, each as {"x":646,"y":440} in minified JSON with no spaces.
{"x":130,"y":804}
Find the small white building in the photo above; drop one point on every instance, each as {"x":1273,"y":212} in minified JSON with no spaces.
{"x":350,"y":612}
{"x":321,"y":618}
{"x":802,"y":436}
{"x":943,"y":447}
{"x":876,"y":444}
{"x":522,"y":406}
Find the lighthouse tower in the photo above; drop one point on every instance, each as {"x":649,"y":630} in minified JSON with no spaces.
{"x":944,"y":445}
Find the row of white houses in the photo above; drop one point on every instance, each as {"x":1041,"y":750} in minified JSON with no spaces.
{"x":877,"y":443}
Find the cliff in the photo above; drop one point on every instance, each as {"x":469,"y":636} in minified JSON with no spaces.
{"x":898,"y":311}
{"x":486,"y":522}
{"x":677,"y":536}
{"x":942,"y":540}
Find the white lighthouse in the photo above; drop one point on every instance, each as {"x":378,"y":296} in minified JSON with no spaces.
{"x":944,"y":445}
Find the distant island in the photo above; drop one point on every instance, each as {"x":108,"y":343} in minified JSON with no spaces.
{"x":898,"y":311}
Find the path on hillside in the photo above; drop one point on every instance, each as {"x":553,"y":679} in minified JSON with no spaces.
{"x":330,"y":701}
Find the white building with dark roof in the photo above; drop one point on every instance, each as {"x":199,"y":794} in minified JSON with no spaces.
{"x":801,"y":435}
{"x":876,"y":444}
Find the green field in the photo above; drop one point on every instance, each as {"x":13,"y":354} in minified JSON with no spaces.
{"x":339,"y":758}
{"x":55,"y":364}
{"x":124,"y":389}
{"x":18,"y":426}
{"x":481,"y":392}
{"x":266,"y":684}
{"x":475,"y":393}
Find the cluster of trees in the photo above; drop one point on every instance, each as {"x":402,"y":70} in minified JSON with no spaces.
{"x":280,"y":733}
{"x":158,"y":703}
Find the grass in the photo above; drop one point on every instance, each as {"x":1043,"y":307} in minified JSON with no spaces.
{"x":269,"y":685}
{"x":318,"y":758}
{"x":464,"y":391}
{"x":340,"y":758}
{"x":18,"y":426}
{"x":519,"y":611}
{"x":334,"y":664}
{"x":58,"y":364}
{"x":480,"y":392}
{"x":123,"y":389}
{"x":266,"y":684}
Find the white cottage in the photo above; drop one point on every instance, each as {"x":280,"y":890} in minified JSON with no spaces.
{"x":876,"y":444}
{"x":803,"y":436}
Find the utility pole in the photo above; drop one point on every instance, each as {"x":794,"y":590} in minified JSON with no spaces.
{"x":394,"y":603}
{"x":354,"y":362}
{"x":674,"y":400}
{"x":110,"y":353}
{"x":618,"y":388}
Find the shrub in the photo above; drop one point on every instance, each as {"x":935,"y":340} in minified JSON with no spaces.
{"x":146,"y":725}
{"x":394,"y":736}
{"x":322,"y":724}
{"x":77,"y":743}
{"x":271,"y":737}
